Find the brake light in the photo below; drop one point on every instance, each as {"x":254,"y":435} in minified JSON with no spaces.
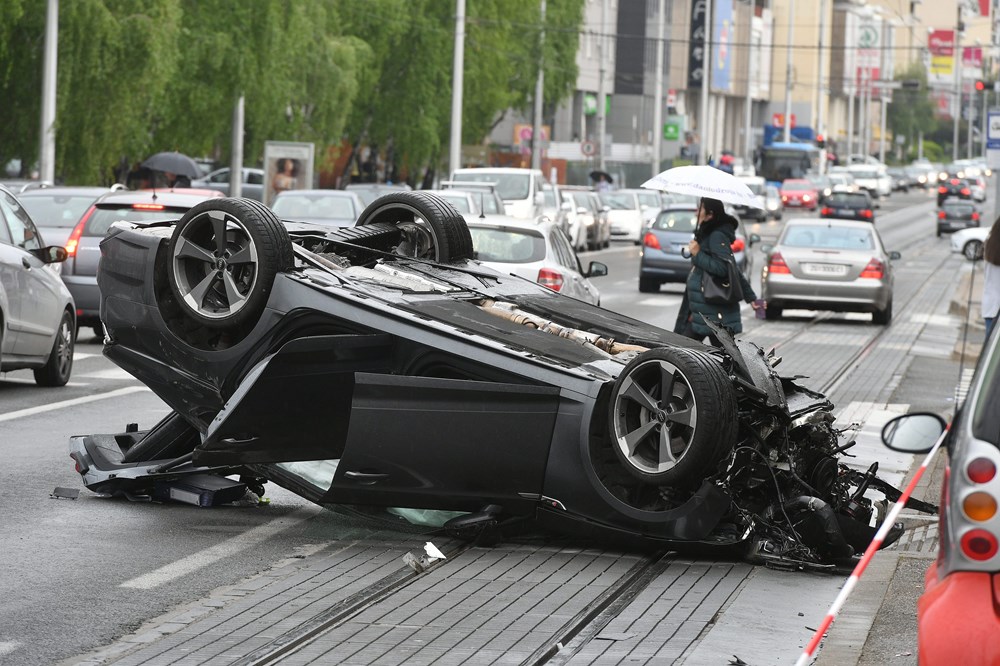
{"x":825,"y":211}
{"x":867,"y":213}
{"x":942,"y":190}
{"x":650,"y":240}
{"x":874,"y":269}
{"x":550,"y":278}
{"x":979,"y":545}
{"x":145,"y":206}
{"x":737,"y":245}
{"x":73,"y":242}
{"x":981,"y":470}
{"x":979,"y":506}
{"x":942,"y":214}
{"x":975,"y":216}
{"x":954,"y":181}
{"x":965,"y":191}
{"x":776,"y":264}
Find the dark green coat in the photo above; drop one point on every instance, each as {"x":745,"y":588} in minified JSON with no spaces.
{"x":716,"y":240}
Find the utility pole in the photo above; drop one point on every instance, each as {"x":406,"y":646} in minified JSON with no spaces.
{"x":748,"y":102}
{"x":457,"y":81}
{"x":956,"y":60}
{"x":536,"y":134}
{"x":47,"y":152}
{"x":706,"y":82}
{"x":602,"y":96}
{"x":821,"y":93}
{"x":658,"y":102}
{"x":236,"y":155}
{"x":788,"y":73}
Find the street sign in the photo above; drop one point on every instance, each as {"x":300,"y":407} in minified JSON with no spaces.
{"x":671,"y":98}
{"x":672,"y":131}
{"x":993,"y":131}
{"x":888,"y":85}
{"x":588,"y":148}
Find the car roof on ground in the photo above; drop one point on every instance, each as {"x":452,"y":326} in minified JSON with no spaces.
{"x":64,"y":190}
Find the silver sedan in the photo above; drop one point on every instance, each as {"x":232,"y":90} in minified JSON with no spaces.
{"x":828,"y":264}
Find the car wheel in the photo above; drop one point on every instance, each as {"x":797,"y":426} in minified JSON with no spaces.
{"x":973,"y":250}
{"x":883,"y":317}
{"x":772,"y":312}
{"x":57,"y":369}
{"x":223,"y":258}
{"x":672,"y":416}
{"x":432,"y":228}
{"x":648,"y":285}
{"x":939,"y":233}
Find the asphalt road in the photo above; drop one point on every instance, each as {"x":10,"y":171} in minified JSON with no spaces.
{"x":78,"y":574}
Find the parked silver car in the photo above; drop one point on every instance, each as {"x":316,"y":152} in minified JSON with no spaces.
{"x":37,"y":315}
{"x":56,"y":210}
{"x":252,"y":185}
{"x":539,"y":252}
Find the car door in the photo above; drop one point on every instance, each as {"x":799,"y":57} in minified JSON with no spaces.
{"x":37,"y":285}
{"x":574,"y":284}
{"x":10,"y":289}
{"x":328,"y":410}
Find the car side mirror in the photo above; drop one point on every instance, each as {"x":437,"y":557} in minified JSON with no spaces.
{"x":754,"y":238}
{"x":766,"y":247}
{"x":53,"y":254}
{"x":894,"y":255}
{"x":913,"y":433}
{"x":597,"y":269}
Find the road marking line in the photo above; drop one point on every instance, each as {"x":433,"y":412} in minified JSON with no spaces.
{"x":31,"y":411}
{"x":236,"y":544}
{"x":79,"y":356}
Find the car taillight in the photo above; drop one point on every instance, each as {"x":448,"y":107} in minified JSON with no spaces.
{"x":942,"y":214}
{"x":965,"y":191}
{"x":867,"y":213}
{"x":550,"y":278}
{"x":737,"y":245}
{"x":975,"y":216}
{"x":73,"y":242}
{"x":650,"y":240}
{"x":981,"y":470}
{"x":954,"y":181}
{"x":874,"y":269}
{"x":979,"y":545}
{"x":776,"y":264}
{"x":825,"y":211}
{"x":979,"y":506}
{"x":942,"y":190}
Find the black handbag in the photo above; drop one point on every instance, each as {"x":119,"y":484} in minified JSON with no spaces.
{"x":722,"y":290}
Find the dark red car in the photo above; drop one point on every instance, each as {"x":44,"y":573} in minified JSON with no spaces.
{"x":799,"y":193}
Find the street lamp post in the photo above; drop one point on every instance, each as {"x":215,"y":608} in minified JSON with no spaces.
{"x":788,"y":73}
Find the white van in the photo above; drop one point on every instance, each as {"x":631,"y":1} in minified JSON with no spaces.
{"x":520,"y":189}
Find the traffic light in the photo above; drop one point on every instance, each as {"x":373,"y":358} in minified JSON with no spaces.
{"x":980,"y":85}
{"x":820,"y":141}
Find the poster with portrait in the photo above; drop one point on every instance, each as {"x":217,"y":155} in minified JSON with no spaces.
{"x":288,"y":165}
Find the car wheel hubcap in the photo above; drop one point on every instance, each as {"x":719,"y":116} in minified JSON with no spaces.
{"x":215,"y":264}
{"x":655,"y":416}
{"x":65,"y":347}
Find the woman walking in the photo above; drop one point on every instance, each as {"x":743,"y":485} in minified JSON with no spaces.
{"x":711,"y":250}
{"x":991,"y":285}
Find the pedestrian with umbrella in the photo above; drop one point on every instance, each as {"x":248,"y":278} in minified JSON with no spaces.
{"x":710,"y":249}
{"x":602,"y":179}
{"x":178,"y":168}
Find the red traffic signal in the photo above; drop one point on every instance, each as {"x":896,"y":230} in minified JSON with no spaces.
{"x":980,"y":85}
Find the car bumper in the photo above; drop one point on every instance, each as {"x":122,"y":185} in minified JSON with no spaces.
{"x":955,"y":225}
{"x":862,"y":295}
{"x":86,"y":295}
{"x":958,"y":619}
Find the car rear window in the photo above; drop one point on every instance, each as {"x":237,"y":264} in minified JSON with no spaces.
{"x":619,"y":201}
{"x":829,"y":237}
{"x":508,"y":246}
{"x":102,"y":218}
{"x":62,"y":211}
{"x":676,"y":220}
{"x":959,"y":209}
{"x":848,"y":199}
{"x":796,"y":186}
{"x":319,"y":206}
{"x":510,"y":186}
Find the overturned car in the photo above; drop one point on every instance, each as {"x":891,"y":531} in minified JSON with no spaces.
{"x":381,"y":365}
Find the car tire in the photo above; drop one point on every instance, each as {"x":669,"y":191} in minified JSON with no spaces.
{"x":698,"y":417}
{"x":433,"y":229}
{"x":209,"y":286}
{"x":973,"y":250}
{"x":773,"y":312}
{"x":649,"y":285}
{"x":939,"y":232}
{"x":883,"y":317}
{"x":59,"y":365}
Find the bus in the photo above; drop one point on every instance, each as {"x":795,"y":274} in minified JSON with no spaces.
{"x":781,"y":161}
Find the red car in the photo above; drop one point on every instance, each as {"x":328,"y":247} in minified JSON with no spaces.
{"x":799,"y":193}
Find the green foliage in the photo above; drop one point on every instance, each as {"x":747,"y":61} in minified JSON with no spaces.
{"x":912,"y":111}
{"x":138,"y":78}
{"x":932,"y":151}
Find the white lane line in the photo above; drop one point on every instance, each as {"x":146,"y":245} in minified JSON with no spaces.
{"x":6,"y":647}
{"x":236,"y":544}
{"x":31,"y":411}
{"x":79,"y":356}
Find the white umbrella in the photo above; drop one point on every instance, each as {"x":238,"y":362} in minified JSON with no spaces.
{"x":704,"y":181}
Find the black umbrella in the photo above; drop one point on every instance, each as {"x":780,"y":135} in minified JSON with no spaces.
{"x":176,"y":163}
{"x":601,"y":175}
